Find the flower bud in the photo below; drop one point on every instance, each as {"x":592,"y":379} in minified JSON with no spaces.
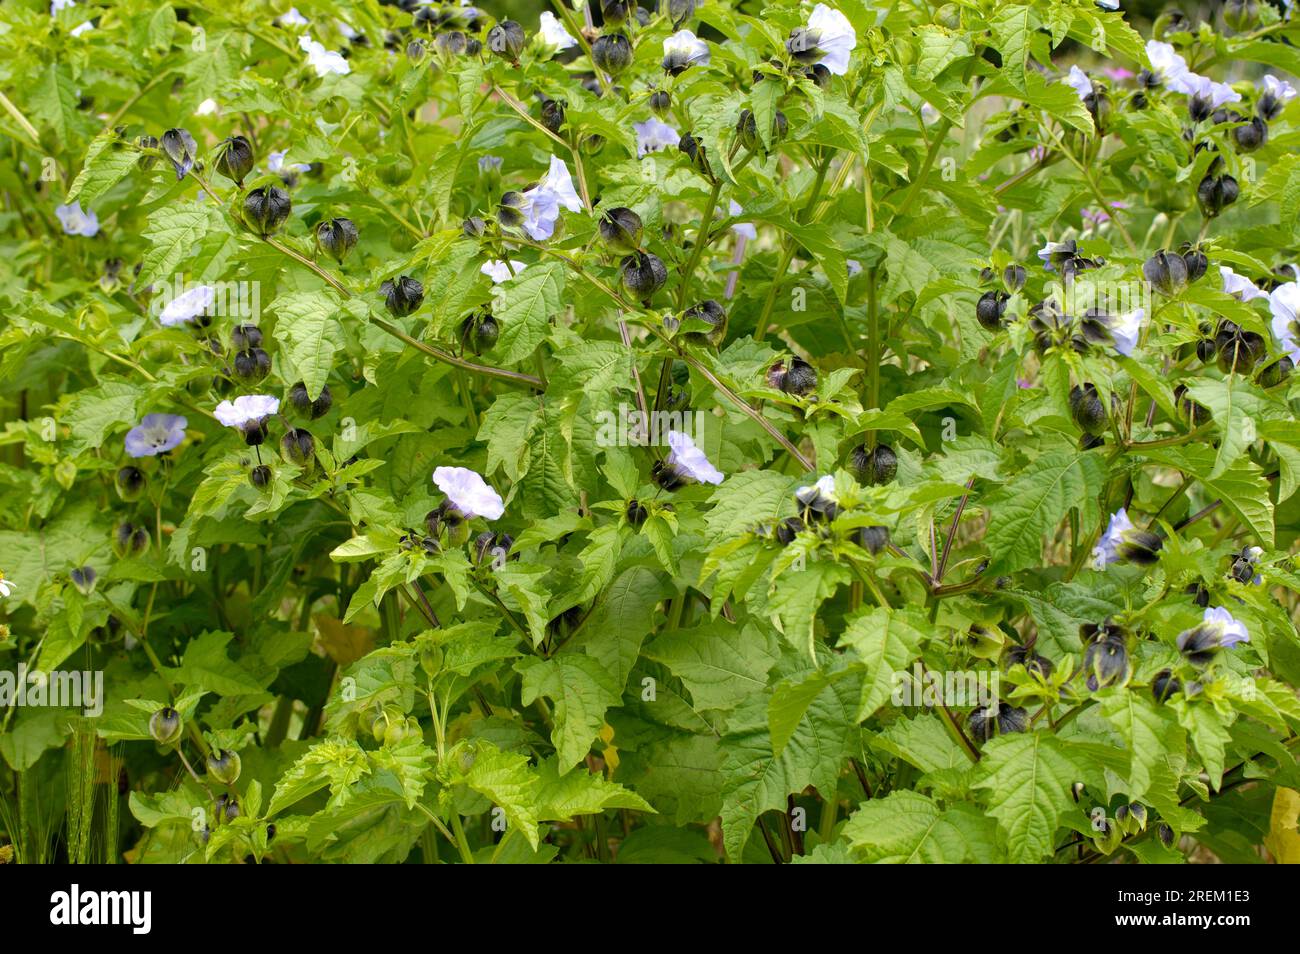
{"x":1240,"y":15}
{"x":473,"y":227}
{"x":1165,"y":834}
{"x":265,"y":209}
{"x":83,"y":578}
{"x":614,"y":12}
{"x":787,"y":530}
{"x":245,"y":337}
{"x":507,"y":40}
{"x":301,"y":402}
{"x":661,"y":103}
{"x":1164,"y":684}
{"x":130,"y":483}
{"x":510,"y":211}
{"x":1166,"y":272}
{"x":553,"y":114}
{"x":643,"y":274}
{"x":337,"y":237}
{"x":235,"y":159}
{"x":679,"y":11}
{"x":1087,"y":409}
{"x":990,"y":309}
{"x":298,"y":447}
{"x":165,"y":725}
{"x":402,"y":295}
{"x":178,"y":145}
{"x":1238,"y":350}
{"x":479,"y":332}
{"x":620,"y":229}
{"x":252,"y":365}
{"x":986,"y":722}
{"x":1251,"y":136}
{"x":224,"y":766}
{"x":151,"y":142}
{"x":873,"y":539}
{"x":1106,"y":660}
{"x":799,"y":378}
{"x":712,"y":313}
{"x":1216,"y":193}
{"x":1196,"y":261}
{"x":697,"y":153}
{"x":1275,"y":373}
{"x":1196,"y":414}
{"x":260,"y":476}
{"x":130,"y":540}
{"x":612,"y":52}
{"x":636,"y":512}
{"x":879,"y":465}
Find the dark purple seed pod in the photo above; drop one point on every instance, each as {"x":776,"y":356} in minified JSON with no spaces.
{"x":712,"y":313}
{"x":130,"y":483}
{"x":620,"y":229}
{"x":1166,"y":271}
{"x":507,"y":40}
{"x":873,"y":539}
{"x":260,"y":476}
{"x":251,"y":366}
{"x":265,"y":209}
{"x":661,"y":103}
{"x":990,"y":308}
{"x":644,"y":274}
{"x":245,"y":336}
{"x":298,"y":446}
{"x":402,"y":295}
{"x":636,"y":513}
{"x":179,"y":146}
{"x":337,"y":237}
{"x":318,"y":408}
{"x":1087,"y":409}
{"x":612,"y":53}
{"x":235,"y":159}
{"x":877,"y":465}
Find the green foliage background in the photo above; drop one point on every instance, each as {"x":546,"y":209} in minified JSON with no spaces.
{"x":690,"y":688}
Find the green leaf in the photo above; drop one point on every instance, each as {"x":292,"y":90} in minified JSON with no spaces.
{"x":905,"y":828}
{"x":885,"y":642}
{"x":1029,"y":778}
{"x":108,"y":161}
{"x":580,"y":689}
{"x":307,"y":323}
{"x":1031,"y":505}
{"x":1149,"y":730}
{"x":524,"y":309}
{"x":721,"y":664}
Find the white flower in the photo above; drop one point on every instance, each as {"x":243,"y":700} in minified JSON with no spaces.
{"x":1231,"y":632}
{"x":292,"y":18}
{"x":499,"y":271}
{"x":346,"y":30}
{"x":188,"y":305}
{"x":1240,"y":287}
{"x":744,"y":229}
{"x":1170,"y":68}
{"x":1107,"y":549}
{"x":653,"y":135}
{"x":1111,"y":5}
{"x":469,"y":493}
{"x":6,"y":586}
{"x":246,"y":409}
{"x":1126,"y":329}
{"x":1078,"y":81}
{"x":543,"y":201}
{"x":77,"y":222}
{"x":836,"y":38}
{"x":824,"y":488}
{"x":206,"y":108}
{"x":1054,"y":248}
{"x":1216,"y":94}
{"x":553,"y":34}
{"x":929,"y":114}
{"x":689,"y":460}
{"x":57,"y":5}
{"x":1284,"y":303}
{"x":323,"y":61}
{"x":1280,"y":90}
{"x":81,"y":28}
{"x":275,"y":163}
{"x":684,"y":49}
{"x":854,"y":266}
